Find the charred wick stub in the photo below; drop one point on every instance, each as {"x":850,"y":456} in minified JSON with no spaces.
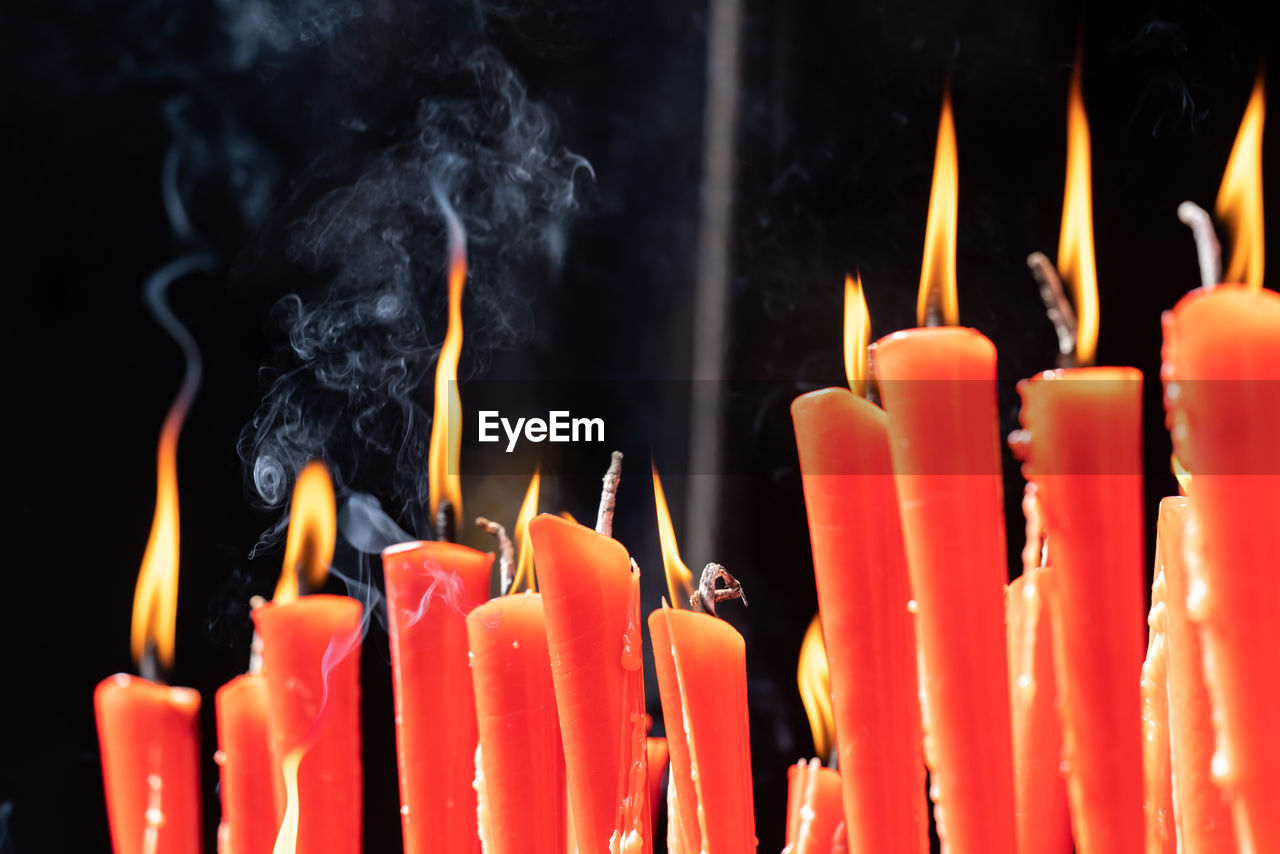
{"x":1057,"y":306}
{"x":446,"y":522}
{"x":704,"y":599}
{"x":149,"y":664}
{"x":609,"y":495}
{"x":506,"y":554}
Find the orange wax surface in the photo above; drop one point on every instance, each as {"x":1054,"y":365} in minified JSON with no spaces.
{"x":657,"y":754}
{"x":311,"y":661}
{"x":939,"y":390}
{"x":149,"y":738}
{"x":1222,"y":395}
{"x":250,"y":784}
{"x":863,"y":595}
{"x":1157,"y":769}
{"x":1040,"y":793}
{"x":1202,"y":810}
{"x":814,"y":812}
{"x":431,"y":587}
{"x":701,"y":663}
{"x":521,"y":762}
{"x":1084,"y":454}
{"x":591,"y":598}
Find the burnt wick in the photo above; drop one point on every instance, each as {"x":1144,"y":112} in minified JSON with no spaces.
{"x":609,"y":495}
{"x":446,"y":522}
{"x":707,"y":595}
{"x":1057,"y":306}
{"x":149,"y":665}
{"x":506,"y":554}
{"x":1208,"y":250}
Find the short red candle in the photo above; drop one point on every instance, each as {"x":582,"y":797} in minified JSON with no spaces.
{"x":1202,"y":810}
{"x":814,"y":811}
{"x":250,"y":784}
{"x":1157,"y":769}
{"x":149,"y":738}
{"x":521,"y":761}
{"x":1221,"y":367}
{"x":311,"y":661}
{"x":701,"y":663}
{"x":863,"y":595}
{"x":1039,"y":790}
{"x":656,"y":755}
{"x":591,"y":598}
{"x":1084,"y":453}
{"x":939,"y":390}
{"x":431,"y":587}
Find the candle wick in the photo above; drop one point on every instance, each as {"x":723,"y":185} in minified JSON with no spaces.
{"x":255,"y":645}
{"x":871,"y":389}
{"x":506,"y":554}
{"x":707,"y":595}
{"x":1208,"y":250}
{"x":609,"y":495}
{"x":149,"y":665}
{"x":1057,"y":306}
{"x":446,"y":531}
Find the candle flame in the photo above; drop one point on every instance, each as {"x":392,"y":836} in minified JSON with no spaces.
{"x":857,"y":334}
{"x":1239,"y":201}
{"x":1180,"y":472}
{"x":679,"y":578}
{"x":313,"y":530}
{"x":814,"y":678}
{"x":1075,"y":241}
{"x":524,"y":549}
{"x":937,"y":299}
{"x":446,"y":423}
{"x":287,"y":838}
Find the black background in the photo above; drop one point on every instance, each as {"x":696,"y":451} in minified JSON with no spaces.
{"x":838,"y":121}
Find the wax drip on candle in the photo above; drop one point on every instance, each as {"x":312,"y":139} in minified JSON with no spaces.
{"x":707,"y":595}
{"x":506,"y":553}
{"x":609,"y":495}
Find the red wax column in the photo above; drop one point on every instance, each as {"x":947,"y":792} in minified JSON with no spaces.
{"x":656,"y":756}
{"x":939,"y":390}
{"x":250,"y":784}
{"x":1040,"y":793}
{"x":701,"y":663}
{"x":1222,"y":395}
{"x":591,"y":597}
{"x":1157,"y":769}
{"x":149,"y":738}
{"x":863,"y":596}
{"x":431,"y":587}
{"x":1084,"y":453}
{"x":311,"y":661}
{"x":520,"y":768}
{"x":1202,"y":809}
{"x":814,"y":812}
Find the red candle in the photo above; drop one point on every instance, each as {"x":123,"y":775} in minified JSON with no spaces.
{"x":520,"y":767}
{"x":1157,"y":769}
{"x":1084,"y":453}
{"x":702,"y":679}
{"x":1201,"y":808}
{"x":431,"y":587}
{"x":250,"y":784}
{"x":149,"y":736}
{"x":656,"y":756}
{"x":1040,"y":793}
{"x":591,"y":596}
{"x":1221,"y":367}
{"x":815,"y":820}
{"x":311,"y":661}
{"x":863,"y":596}
{"x":938,"y":387}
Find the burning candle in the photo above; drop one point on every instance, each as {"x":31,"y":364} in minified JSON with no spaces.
{"x":1157,"y":770}
{"x":431,"y":587}
{"x":520,"y":771}
{"x":591,"y":597}
{"x":938,"y":387}
{"x":815,"y":821}
{"x":863,"y":596}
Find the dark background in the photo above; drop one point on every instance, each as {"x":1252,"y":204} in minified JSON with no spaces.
{"x":267,"y":110}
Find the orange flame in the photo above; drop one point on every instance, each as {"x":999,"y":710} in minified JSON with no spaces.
{"x":1240,"y":196}
{"x":1180,"y":472}
{"x":1075,"y":241}
{"x":446,"y":422}
{"x":938,"y":271}
{"x":524,"y":562}
{"x":313,"y":529}
{"x":679,"y":578}
{"x":287,"y":838}
{"x":857,"y":334}
{"x":814,"y":678}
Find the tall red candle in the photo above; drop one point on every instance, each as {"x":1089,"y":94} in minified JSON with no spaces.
{"x":814,"y":813}
{"x":1221,"y":367}
{"x":431,"y":587}
{"x":149,"y":736}
{"x":591,"y":596}
{"x":938,"y":387}
{"x":1084,"y":453}
{"x":863,"y":596}
{"x":311,"y":661}
{"x":250,"y":784}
